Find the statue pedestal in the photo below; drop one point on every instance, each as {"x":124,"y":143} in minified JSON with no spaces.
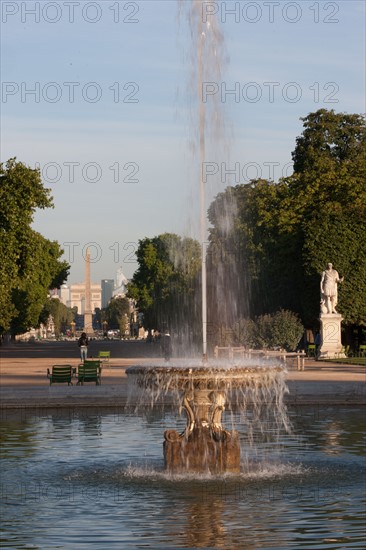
{"x":330,"y":330}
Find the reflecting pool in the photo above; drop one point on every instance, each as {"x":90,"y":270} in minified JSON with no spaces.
{"x":80,"y":479}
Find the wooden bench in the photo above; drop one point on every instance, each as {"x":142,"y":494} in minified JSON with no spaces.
{"x":299,"y":356}
{"x":60,"y":374}
{"x":231,"y":351}
{"x":89,"y":371}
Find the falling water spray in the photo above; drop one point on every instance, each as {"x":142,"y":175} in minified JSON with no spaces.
{"x":204,"y":391}
{"x":207,"y":61}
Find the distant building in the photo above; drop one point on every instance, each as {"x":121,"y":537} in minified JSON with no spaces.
{"x":121,"y":284}
{"x":77,"y":296}
{"x":107,"y":291}
{"x":64,"y":294}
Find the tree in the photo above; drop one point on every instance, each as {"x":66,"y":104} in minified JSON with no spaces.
{"x":283,"y":234}
{"x":281,"y":329}
{"x":117,"y":314}
{"x":246,"y":262}
{"x":330,"y":177}
{"x":339,"y":237}
{"x":286,"y":330}
{"x":328,"y":141}
{"x":29,"y":263}
{"x":165,"y":283}
{"x":61,"y":314}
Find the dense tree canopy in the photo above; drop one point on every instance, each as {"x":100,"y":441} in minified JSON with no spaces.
{"x":165,"y":283}
{"x":62,"y":315}
{"x":29,"y":263}
{"x":330,"y":139}
{"x":283,"y":234}
{"x":270,"y":242}
{"x":117,"y":314}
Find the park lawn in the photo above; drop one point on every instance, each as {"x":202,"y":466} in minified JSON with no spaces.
{"x":348,"y":360}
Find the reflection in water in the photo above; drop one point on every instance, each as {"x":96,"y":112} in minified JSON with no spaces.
{"x":13,"y":437}
{"x":333,"y":439}
{"x":205,"y":525}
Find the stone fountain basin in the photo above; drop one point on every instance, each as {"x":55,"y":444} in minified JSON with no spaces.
{"x":208,"y":376}
{"x":202,"y":391}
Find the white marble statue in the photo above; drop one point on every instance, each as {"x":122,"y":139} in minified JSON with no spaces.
{"x":329,"y":289}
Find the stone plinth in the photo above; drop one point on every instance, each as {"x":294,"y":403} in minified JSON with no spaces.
{"x":88,"y":323}
{"x":330,"y":331}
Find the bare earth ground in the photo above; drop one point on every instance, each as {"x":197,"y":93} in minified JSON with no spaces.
{"x":23,"y":380}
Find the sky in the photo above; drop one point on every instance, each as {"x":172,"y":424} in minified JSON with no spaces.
{"x":97,"y":95}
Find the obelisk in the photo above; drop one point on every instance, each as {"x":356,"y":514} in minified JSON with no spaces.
{"x":88,"y":316}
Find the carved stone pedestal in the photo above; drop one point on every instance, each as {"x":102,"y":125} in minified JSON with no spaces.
{"x":202,"y":451}
{"x":204,"y":446}
{"x":330,"y":331}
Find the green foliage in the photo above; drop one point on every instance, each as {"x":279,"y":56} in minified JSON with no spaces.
{"x":281,"y":329}
{"x":263,"y":332}
{"x":29,"y":263}
{"x":241,"y":333}
{"x":117,"y":314}
{"x":283,"y":234}
{"x":328,"y":140}
{"x":286,"y":330}
{"x":165,"y":282}
{"x":22,"y":192}
{"x":61,"y":314}
{"x":253,"y":256}
{"x":341,"y":236}
{"x":269,"y":243}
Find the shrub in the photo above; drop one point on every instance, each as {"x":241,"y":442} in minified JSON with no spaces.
{"x":282,"y":329}
{"x":286,"y":330}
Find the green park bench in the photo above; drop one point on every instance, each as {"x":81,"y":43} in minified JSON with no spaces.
{"x":89,"y":371}
{"x":311,"y":350}
{"x":104,"y":357}
{"x":60,"y":374}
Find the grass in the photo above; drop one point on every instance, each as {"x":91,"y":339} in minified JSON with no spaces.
{"x":347,"y":360}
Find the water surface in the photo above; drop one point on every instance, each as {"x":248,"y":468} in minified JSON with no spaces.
{"x":90,"y":479}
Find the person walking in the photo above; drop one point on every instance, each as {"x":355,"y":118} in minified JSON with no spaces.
{"x":83,"y":343}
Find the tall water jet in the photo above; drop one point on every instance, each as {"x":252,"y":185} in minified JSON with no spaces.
{"x":204,"y":389}
{"x":207,"y":60}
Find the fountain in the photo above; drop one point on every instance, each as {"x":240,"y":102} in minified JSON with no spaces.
{"x":78,"y":477}
{"x":204,"y":390}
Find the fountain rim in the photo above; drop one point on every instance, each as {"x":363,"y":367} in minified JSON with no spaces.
{"x":233,"y":371}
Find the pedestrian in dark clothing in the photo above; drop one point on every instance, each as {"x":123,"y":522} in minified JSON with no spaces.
{"x":83,"y":343}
